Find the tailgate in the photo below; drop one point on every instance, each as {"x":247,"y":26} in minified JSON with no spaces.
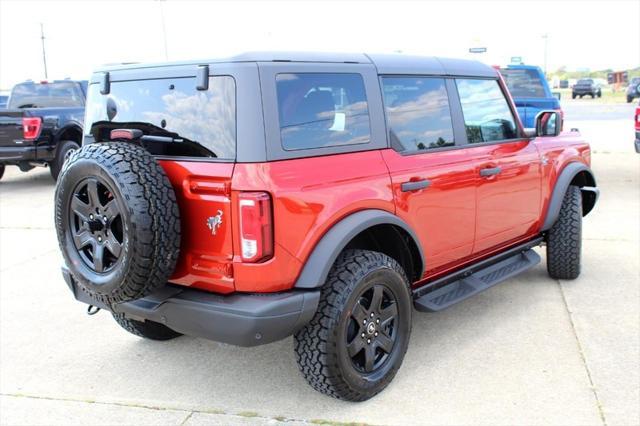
{"x":203,"y":191}
{"x":11,"y":133}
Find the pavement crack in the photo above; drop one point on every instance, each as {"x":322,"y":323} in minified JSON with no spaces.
{"x":582,"y":355}
{"x":186,"y":419}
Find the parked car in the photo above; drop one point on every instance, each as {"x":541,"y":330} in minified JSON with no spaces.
{"x":530,"y":92}
{"x":586,"y":86}
{"x":637,"y":121}
{"x":249,"y":199}
{"x":633,"y":89}
{"x":42,"y":125}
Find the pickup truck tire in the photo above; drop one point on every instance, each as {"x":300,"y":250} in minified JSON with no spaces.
{"x":564,"y":241}
{"x":117,"y":221}
{"x":2,"y":167}
{"x":348,"y":350}
{"x":147,"y":329}
{"x":65,"y":149}
{"x":573,"y":96}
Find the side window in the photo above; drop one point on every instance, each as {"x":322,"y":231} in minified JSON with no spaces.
{"x":418,"y":113}
{"x":175,"y":118}
{"x":487,"y":116}
{"x":319,"y":110}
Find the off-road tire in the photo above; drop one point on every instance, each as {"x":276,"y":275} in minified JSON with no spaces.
{"x":2,"y":167}
{"x":564,"y":240}
{"x":147,"y":329}
{"x":573,"y":96}
{"x":318,"y":348}
{"x":150,"y":220}
{"x":65,"y":148}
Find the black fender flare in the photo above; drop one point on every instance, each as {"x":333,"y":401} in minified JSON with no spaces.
{"x":319,"y":263}
{"x":68,"y":125}
{"x":562,"y":184}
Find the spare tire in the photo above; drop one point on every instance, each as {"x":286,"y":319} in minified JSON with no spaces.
{"x":117,"y":221}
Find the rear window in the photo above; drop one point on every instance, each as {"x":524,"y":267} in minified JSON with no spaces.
{"x":175,"y":118}
{"x":523,"y":83}
{"x":66,"y":94}
{"x":418,"y":113}
{"x":318,"y":110}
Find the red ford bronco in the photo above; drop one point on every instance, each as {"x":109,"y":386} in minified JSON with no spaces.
{"x":322,"y":196}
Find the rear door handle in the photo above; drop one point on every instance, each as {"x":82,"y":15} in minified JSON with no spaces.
{"x":415,"y":185}
{"x":491,"y":171}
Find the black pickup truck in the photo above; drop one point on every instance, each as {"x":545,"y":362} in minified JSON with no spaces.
{"x":42,"y":124}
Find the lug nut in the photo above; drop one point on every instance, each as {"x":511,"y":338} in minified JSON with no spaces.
{"x":362,"y":334}
{"x":368,"y":341}
{"x":364,"y":321}
{"x":104,"y":218}
{"x":376,"y":334}
{"x":371,"y":314}
{"x":91,"y":216}
{"x":99,"y":239}
{"x":378,"y":321}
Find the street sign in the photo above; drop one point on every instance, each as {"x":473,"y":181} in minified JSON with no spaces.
{"x":477,"y":50}
{"x":516,"y":59}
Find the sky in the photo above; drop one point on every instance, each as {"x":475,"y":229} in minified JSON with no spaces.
{"x":81,"y":35}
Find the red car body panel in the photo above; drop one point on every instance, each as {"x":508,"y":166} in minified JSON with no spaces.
{"x":460,"y":218}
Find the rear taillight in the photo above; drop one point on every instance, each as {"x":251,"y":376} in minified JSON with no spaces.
{"x":31,"y":127}
{"x":256,"y":226}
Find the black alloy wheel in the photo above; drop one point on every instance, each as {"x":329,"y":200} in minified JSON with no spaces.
{"x":372,"y":329}
{"x":96,"y":224}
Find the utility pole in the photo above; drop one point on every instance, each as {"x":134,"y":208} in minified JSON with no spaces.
{"x":44,"y":54}
{"x":545,"y":36}
{"x":164,"y":31}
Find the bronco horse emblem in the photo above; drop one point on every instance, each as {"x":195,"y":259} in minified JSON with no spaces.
{"x":214,"y":222}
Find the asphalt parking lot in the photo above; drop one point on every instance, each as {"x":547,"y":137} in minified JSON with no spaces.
{"x":529,"y":351}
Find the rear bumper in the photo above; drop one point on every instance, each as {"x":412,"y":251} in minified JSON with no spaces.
{"x":10,"y":154}
{"x":238,"y":319}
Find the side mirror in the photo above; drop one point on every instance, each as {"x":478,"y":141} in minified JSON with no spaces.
{"x":548,"y":123}
{"x":557,"y":95}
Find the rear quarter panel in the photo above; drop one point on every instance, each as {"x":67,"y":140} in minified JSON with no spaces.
{"x":309,"y":196}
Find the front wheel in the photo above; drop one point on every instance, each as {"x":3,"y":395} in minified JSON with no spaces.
{"x":564,"y":242}
{"x":355,"y":343}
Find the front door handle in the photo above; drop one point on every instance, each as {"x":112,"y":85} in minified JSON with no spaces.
{"x":415,"y":185}
{"x":491,"y":171}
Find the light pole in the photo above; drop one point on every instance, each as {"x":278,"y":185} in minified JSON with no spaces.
{"x":44,"y":55}
{"x":545,"y":36}
{"x":164,"y":30}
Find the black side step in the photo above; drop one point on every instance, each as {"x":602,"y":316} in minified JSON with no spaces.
{"x":476,"y":282}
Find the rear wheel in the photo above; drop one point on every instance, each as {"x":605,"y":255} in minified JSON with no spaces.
{"x":65,"y":149}
{"x":147,"y":329}
{"x":355,"y":344}
{"x":564,"y":241}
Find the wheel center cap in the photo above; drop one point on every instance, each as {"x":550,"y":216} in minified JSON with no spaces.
{"x":95,"y":225}
{"x":371,"y":328}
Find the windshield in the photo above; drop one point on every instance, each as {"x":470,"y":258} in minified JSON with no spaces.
{"x":523,"y":83}
{"x":585,"y":81}
{"x":46,"y":95}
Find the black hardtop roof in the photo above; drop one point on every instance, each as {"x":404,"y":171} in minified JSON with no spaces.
{"x":385,"y":63}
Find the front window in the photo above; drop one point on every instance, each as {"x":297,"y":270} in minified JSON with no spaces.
{"x":487,"y":116}
{"x":418,"y":113}
{"x":523,"y":83}
{"x":63,"y":94}
{"x":318,"y":110}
